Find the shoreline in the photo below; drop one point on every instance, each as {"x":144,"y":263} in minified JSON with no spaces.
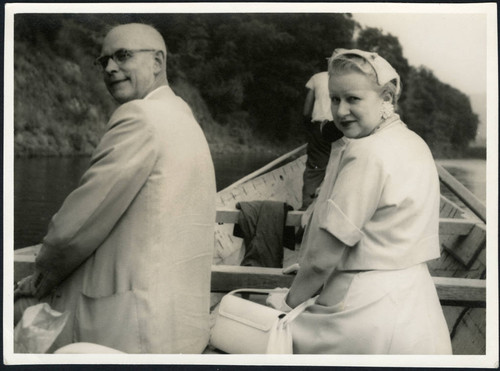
{"x":220,"y":149}
{"x":216,"y":149}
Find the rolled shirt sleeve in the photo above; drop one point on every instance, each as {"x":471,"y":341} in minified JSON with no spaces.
{"x":382,"y":200}
{"x":119,"y":168}
{"x":354,"y":197}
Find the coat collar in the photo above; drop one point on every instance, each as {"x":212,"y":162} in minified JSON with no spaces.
{"x":164,"y":89}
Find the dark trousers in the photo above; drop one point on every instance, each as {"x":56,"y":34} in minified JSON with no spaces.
{"x":318,"y":153}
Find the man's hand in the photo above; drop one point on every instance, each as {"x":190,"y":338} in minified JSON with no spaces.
{"x":25,"y":287}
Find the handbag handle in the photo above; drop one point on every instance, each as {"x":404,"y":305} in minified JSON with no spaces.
{"x":249,"y":291}
{"x":290,"y":316}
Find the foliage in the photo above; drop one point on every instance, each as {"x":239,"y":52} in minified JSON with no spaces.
{"x":439,"y":113}
{"x":60,"y":105}
{"x":387,"y":46}
{"x":242,"y":74}
{"x":254,"y":66}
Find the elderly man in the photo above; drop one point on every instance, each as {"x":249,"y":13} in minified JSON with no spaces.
{"x":129,"y":252}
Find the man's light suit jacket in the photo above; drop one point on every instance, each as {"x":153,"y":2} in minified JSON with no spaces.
{"x":129,"y":252}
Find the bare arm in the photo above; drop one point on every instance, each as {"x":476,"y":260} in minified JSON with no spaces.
{"x":309,"y":103}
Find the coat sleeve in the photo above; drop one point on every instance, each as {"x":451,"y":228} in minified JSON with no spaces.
{"x":355,"y":196}
{"x":120,"y":166}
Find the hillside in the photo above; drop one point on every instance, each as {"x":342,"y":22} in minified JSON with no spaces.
{"x":52,"y":118}
{"x":478,"y":102}
{"x":243,"y":76}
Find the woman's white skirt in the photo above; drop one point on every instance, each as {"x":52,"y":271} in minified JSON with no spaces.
{"x":375,"y":312}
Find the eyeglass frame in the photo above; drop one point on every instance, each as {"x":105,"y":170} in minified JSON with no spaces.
{"x":102,"y":61}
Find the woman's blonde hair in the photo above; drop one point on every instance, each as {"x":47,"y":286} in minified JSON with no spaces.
{"x":346,"y":63}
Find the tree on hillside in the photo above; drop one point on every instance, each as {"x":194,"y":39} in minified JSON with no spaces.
{"x":439,"y":113}
{"x":36,"y":29}
{"x":388,"y":47}
{"x":61,"y":105}
{"x":277,"y":91}
{"x":250,"y":69}
{"x":254,"y":66}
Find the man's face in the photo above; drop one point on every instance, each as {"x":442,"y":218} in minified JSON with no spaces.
{"x":134,"y":77}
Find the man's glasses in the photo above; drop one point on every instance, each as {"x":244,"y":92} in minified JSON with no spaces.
{"x":120,"y":57}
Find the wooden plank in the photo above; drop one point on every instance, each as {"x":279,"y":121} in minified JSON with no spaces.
{"x":451,"y":291}
{"x":448,"y":226}
{"x":466,"y":196}
{"x":451,"y":226}
{"x":464,"y":292}
{"x":24,"y":261}
{"x":226,"y":240}
{"x":469,"y":337}
{"x":269,"y":166}
{"x":467,"y":249}
{"x":446,"y":210}
{"x":229,"y":277}
{"x":231,"y":216}
{"x":450,"y":209}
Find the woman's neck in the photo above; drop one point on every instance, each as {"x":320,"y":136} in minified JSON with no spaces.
{"x":385,"y":122}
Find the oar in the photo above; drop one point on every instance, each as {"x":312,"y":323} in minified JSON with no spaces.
{"x":466,"y":196}
{"x":265,"y":168}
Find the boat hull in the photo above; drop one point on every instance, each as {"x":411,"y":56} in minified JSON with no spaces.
{"x":463,"y":254}
{"x":460,"y":258}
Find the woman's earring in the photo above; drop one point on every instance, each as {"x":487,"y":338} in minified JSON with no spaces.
{"x":387,"y":110}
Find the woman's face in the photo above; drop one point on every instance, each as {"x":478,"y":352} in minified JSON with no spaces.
{"x":356,"y":104}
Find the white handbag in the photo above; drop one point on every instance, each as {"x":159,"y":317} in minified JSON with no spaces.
{"x":245,"y":327}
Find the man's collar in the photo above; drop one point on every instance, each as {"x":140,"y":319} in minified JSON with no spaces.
{"x":152,"y":92}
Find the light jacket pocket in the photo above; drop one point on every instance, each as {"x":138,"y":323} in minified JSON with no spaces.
{"x":110,"y":321}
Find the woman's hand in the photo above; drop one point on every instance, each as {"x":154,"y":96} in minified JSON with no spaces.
{"x":277,"y":299}
{"x":25,"y":287}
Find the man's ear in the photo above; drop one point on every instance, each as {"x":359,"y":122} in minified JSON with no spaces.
{"x":160,"y":61}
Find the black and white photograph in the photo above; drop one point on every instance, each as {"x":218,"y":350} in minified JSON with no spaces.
{"x":302,"y":184}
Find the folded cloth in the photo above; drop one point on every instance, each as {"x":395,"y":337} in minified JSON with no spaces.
{"x":262,"y":226}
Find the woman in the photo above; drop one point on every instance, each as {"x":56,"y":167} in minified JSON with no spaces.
{"x":374,"y":226}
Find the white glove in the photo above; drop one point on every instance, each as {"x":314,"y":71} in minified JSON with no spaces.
{"x":276,"y":299}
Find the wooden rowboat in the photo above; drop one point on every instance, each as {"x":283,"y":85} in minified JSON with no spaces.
{"x":459,"y":274}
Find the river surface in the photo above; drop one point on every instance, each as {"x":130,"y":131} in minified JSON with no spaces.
{"x":41,"y":185}
{"x":470,"y":172}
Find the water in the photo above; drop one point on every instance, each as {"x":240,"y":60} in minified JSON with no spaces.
{"x":471,"y":173}
{"x":42,"y":184}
